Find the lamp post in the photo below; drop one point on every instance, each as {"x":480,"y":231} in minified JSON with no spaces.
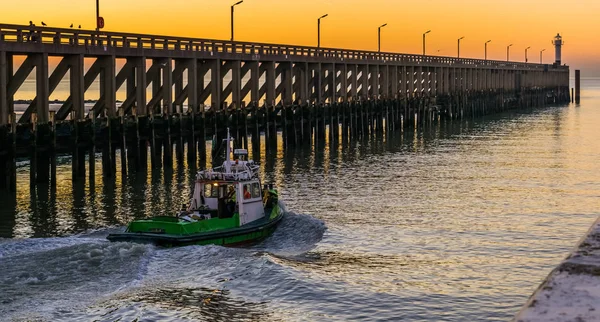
{"x":235,"y":4}
{"x":485,"y":51}
{"x":425,"y":33}
{"x":379,"y":37}
{"x":526,"y":53}
{"x":541,"y":51}
{"x":97,"y":14}
{"x":508,"y":52}
{"x":458,"y":56}
{"x":319,"y":29}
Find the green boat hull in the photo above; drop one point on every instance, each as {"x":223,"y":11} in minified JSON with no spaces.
{"x":214,"y":232}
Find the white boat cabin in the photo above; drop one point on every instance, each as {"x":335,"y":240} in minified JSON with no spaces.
{"x":223,"y":191}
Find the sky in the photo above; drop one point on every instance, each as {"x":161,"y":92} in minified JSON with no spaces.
{"x":351,"y":24}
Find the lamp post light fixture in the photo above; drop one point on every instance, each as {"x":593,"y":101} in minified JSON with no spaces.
{"x":425,"y":33}
{"x":485,"y":50}
{"x":508,"y":52}
{"x":526,"y":60}
{"x":379,"y":37}
{"x":235,"y":4}
{"x":319,"y":30}
{"x":458,"y":56}
{"x":541,"y":51}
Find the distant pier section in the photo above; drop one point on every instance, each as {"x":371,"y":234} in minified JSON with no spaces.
{"x":191,"y":89}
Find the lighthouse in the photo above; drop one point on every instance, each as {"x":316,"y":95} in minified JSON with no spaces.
{"x":557,"y":42}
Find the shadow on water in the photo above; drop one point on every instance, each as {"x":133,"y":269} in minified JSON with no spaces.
{"x":170,"y":182}
{"x":201,"y":304}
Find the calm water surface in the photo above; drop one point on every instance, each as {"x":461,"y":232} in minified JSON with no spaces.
{"x":459,"y":222}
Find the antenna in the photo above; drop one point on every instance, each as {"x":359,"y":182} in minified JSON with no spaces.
{"x":228,"y":152}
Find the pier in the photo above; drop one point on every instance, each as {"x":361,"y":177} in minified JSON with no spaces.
{"x":188,"y":90}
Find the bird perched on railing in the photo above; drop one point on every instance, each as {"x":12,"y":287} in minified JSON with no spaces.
{"x":43,"y":24}
{"x":71,"y":26}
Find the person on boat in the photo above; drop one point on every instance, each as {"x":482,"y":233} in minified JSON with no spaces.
{"x":247,"y":194}
{"x":269,"y":196}
{"x":265,"y":194}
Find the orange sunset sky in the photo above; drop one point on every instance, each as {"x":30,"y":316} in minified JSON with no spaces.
{"x":351,"y":23}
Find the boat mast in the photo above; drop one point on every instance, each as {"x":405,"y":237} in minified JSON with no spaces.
{"x":228,"y":152}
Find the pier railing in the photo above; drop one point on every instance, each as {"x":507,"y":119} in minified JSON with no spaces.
{"x":99,"y":43}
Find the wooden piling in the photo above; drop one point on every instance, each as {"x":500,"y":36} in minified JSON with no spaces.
{"x":33,"y":151}
{"x":13,"y":153}
{"x":577,"y":86}
{"x":92,"y":150}
{"x":123,"y":143}
{"x":53,"y":150}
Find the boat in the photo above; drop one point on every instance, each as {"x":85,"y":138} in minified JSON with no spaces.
{"x":229,"y":206}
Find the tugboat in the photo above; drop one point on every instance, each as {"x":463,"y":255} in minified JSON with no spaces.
{"x":229,"y":207}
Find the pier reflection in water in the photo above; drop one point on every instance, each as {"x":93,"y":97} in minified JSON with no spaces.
{"x":457,"y":221}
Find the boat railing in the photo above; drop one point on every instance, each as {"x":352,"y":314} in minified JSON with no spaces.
{"x":245,"y":172}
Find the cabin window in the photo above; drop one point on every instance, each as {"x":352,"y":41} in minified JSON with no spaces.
{"x":247,"y":191}
{"x":211,"y":191}
{"x":255,"y":190}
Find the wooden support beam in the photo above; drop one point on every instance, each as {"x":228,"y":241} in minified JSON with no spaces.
{"x":128,"y":103}
{"x":97,"y":108}
{"x":205,"y":94}
{"x":364,"y":81}
{"x":384,"y":77}
{"x":353,"y":81}
{"x":3,"y":88}
{"x":343,"y":80}
{"x":246,"y":89}
{"x":42,"y":88}
{"x":55,"y":78}
{"x":155,"y":99}
{"x":19,"y":77}
{"x":108,"y":84}
{"x":226,"y":92}
{"x":236,"y":84}
{"x":88,"y":79}
{"x":315,"y":75}
{"x":394,"y":81}
{"x":216,"y":83}
{"x":332,"y":83}
{"x":287,"y":81}
{"x":141,"y":83}
{"x":123,"y":75}
{"x":202,"y":68}
{"x":182,"y":95}
{"x":77,"y":85}
{"x":254,"y":81}
{"x":192,"y":85}
{"x":167,"y":85}
{"x":270,"y":82}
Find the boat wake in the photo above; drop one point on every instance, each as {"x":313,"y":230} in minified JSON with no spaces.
{"x":84,"y":277}
{"x":56,"y":275}
{"x":296,"y":234}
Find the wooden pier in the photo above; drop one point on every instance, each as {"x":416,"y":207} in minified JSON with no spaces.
{"x":187,"y":90}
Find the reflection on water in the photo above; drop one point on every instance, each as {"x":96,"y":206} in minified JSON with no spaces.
{"x":460,"y":221}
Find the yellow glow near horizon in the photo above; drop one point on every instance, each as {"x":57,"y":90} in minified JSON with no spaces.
{"x":351,"y":23}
